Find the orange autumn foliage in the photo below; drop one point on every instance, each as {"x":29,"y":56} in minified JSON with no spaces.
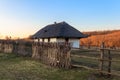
{"x":111,"y":39}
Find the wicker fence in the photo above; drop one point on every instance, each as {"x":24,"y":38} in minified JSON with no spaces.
{"x":18,"y":47}
{"x":54,"y":54}
{"x":6,"y":46}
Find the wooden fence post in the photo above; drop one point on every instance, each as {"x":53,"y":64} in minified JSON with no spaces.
{"x":109,"y":63}
{"x":101,"y":58}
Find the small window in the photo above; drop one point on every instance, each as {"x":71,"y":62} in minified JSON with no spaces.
{"x":48,"y":39}
{"x":43,"y":39}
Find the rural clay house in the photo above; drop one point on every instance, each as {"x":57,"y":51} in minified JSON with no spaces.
{"x":59,"y":32}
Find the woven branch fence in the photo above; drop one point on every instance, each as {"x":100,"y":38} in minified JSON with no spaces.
{"x":54,"y":54}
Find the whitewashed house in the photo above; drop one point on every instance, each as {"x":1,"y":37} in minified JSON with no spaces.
{"x":59,"y":32}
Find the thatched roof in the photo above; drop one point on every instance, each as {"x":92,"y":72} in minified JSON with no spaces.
{"x":58,"y":30}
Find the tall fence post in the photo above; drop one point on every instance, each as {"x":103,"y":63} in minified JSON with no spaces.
{"x":101,"y":58}
{"x":109,"y":63}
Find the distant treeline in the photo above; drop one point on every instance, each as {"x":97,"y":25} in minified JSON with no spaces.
{"x":100,"y":32}
{"x":110,"y":38}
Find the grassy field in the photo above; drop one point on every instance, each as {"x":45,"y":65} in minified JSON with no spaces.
{"x":14,"y":67}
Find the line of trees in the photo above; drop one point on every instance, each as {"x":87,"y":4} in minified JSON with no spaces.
{"x":110,"y":40}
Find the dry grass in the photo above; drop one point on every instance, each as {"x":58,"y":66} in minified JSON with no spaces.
{"x":14,"y":67}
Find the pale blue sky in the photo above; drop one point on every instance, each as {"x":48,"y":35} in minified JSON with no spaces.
{"x":21,"y":18}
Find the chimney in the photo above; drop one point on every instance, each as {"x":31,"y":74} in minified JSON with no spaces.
{"x":55,"y":22}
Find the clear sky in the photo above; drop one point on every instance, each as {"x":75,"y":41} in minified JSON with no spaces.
{"x":20,"y":18}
